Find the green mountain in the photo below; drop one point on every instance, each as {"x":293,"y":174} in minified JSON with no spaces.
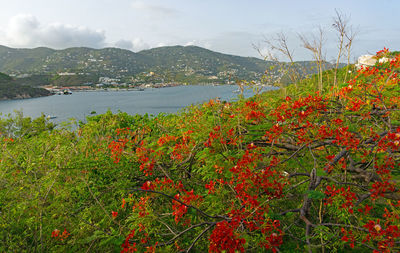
{"x":13,"y":89}
{"x":170,"y":64}
{"x":192,"y":59}
{"x":4,"y":77}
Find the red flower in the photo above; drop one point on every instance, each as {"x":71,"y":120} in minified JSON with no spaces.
{"x":210,"y":187}
{"x":55,"y":233}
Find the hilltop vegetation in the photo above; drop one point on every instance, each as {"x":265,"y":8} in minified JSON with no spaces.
{"x":4,"y":77}
{"x":12,"y":89}
{"x":188,"y":64}
{"x":307,"y":171}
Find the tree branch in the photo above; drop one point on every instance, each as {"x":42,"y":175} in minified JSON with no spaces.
{"x":179,"y":201}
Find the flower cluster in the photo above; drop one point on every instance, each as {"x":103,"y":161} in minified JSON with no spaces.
{"x":344,"y":196}
{"x":60,"y":236}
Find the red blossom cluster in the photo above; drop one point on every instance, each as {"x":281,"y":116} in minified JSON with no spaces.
{"x":253,"y":112}
{"x":348,"y":237}
{"x":384,"y":234}
{"x":225,"y":239}
{"x":346,"y":197}
{"x":5,"y":140}
{"x":60,"y":236}
{"x":127,"y":246}
{"x":178,"y":209}
{"x":146,"y":159}
{"x":141,"y":206}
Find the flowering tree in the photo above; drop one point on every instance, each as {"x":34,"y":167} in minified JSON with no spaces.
{"x":312,"y":172}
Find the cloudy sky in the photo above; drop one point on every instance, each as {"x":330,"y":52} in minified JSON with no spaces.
{"x":228,"y":26}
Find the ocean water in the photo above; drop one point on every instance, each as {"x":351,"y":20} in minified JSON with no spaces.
{"x":152,"y":101}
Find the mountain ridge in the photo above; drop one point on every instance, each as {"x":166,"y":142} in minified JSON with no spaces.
{"x":111,"y":47}
{"x":183,"y":64}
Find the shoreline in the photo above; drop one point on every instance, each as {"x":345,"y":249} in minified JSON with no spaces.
{"x":136,"y":89}
{"x":25,"y":97}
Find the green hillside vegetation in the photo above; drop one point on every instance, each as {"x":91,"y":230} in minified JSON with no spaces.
{"x":22,"y":59}
{"x":14,"y":89}
{"x":34,"y":80}
{"x":293,"y":170}
{"x":4,"y":77}
{"x":189,"y":64}
{"x":76,"y":80}
{"x":201,"y":60}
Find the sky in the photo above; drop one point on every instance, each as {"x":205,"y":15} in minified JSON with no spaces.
{"x":235,"y":27}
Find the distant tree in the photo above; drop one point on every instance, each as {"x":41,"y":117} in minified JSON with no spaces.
{"x":279,"y":43}
{"x":315,"y":45}
{"x":351,"y":33}
{"x":340,"y":23}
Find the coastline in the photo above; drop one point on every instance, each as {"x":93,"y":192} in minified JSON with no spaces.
{"x":24,"y":96}
{"x":72,"y":89}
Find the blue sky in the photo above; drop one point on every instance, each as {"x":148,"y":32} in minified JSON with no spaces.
{"x":228,"y":26}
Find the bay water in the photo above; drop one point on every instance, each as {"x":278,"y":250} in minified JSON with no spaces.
{"x":153,"y":101}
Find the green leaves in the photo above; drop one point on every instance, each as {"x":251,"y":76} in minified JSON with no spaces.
{"x":315,"y":194}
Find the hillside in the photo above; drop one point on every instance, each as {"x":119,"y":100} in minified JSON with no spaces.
{"x":192,"y":59}
{"x":300,"y":169}
{"x":15,"y":89}
{"x":189,"y":64}
{"x":4,"y":77}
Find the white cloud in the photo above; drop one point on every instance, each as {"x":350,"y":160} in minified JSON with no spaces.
{"x":161,"y":44}
{"x":153,"y":9}
{"x":133,"y":45}
{"x":139,"y":44}
{"x":190,"y":43}
{"x":204,"y":44}
{"x":124,"y":44}
{"x":26,"y":31}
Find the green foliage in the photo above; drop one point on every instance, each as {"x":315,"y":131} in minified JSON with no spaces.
{"x":89,"y":182}
{"x":4,"y":77}
{"x":11,"y":89}
{"x":74,"y":80}
{"x":58,"y":179}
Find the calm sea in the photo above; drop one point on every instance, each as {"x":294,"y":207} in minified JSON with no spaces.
{"x":151,"y":101}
